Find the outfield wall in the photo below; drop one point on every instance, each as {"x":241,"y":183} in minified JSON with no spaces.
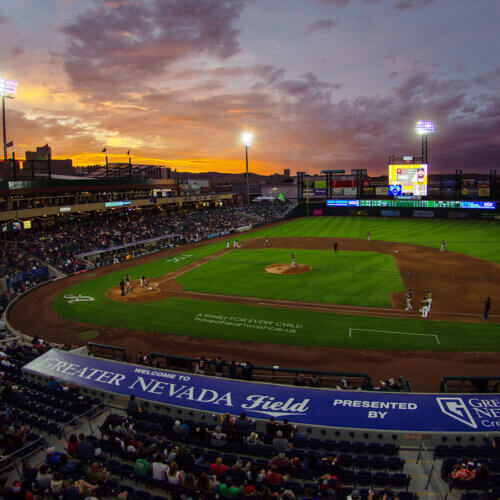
{"x":320,"y":412}
{"x":314,"y":208}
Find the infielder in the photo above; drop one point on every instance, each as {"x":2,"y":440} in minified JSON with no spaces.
{"x":428,"y":296}
{"x":267,"y":241}
{"x":228,"y":243}
{"x":143,"y":281}
{"x":368,"y":236}
{"x":127,"y":282}
{"x":293,"y":260}
{"x":408,"y":300}
{"x":335,"y":246}
{"x":425,"y":308}
{"x":236,"y":244}
{"x":443,"y":246}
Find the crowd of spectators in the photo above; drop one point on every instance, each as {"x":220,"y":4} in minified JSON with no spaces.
{"x":59,"y":239}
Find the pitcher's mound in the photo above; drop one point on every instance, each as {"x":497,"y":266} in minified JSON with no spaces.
{"x":288,"y":269}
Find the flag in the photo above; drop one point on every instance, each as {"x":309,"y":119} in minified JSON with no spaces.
{"x":9,"y":144}
{"x":103,"y":151}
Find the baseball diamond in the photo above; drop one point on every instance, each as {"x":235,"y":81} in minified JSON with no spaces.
{"x":207,"y":291}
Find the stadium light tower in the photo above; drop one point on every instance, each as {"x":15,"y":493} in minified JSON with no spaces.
{"x":424,"y":128}
{"x":247,"y":142}
{"x":7,"y":90}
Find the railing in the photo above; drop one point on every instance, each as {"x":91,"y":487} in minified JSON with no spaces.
{"x":470,"y":384}
{"x":425,"y":457}
{"x":262,"y":373}
{"x":107,"y":351}
{"x":19,"y":455}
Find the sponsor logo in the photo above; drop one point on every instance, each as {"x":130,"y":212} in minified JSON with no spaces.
{"x":78,"y":298}
{"x":179,"y":258}
{"x":455,"y":408}
{"x":269,"y":406}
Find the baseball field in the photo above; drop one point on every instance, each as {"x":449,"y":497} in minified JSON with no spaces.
{"x":207,"y":296}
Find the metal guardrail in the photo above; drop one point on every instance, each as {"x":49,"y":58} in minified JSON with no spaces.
{"x":19,"y":455}
{"x":476,"y":384}
{"x":273,"y":373}
{"x":425,"y":457}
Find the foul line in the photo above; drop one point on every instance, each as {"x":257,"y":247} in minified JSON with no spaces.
{"x":398,"y":333}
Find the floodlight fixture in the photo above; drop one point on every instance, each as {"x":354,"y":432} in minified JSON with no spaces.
{"x":7,"y":88}
{"x":247,"y":139}
{"x":425,"y":127}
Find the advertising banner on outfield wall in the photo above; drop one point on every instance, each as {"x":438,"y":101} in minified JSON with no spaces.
{"x":410,"y":412}
{"x":423,"y":213}
{"x":381,"y":191}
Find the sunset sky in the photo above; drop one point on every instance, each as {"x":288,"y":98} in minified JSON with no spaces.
{"x":321,"y":84}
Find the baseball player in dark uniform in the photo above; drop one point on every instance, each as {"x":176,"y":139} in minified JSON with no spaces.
{"x":335,"y":245}
{"x":122,"y":287}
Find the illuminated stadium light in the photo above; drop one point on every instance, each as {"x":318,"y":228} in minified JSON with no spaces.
{"x":424,"y":127}
{"x":7,"y":88}
{"x":247,"y":139}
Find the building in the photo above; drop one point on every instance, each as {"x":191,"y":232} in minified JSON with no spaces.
{"x":41,"y":153}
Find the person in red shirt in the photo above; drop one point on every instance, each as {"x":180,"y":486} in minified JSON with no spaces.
{"x":72,"y":442}
{"x":274,"y":478}
{"x":218,"y":467}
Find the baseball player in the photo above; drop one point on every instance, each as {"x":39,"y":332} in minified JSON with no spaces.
{"x":267,"y":241}
{"x":368,"y":236}
{"x":228,"y":243}
{"x":443,"y":246}
{"x":235,"y":244}
{"x":409,"y":296}
{"x":425,"y":307}
{"x":428,"y":296}
{"x":127,"y":283}
{"x":144,"y":281}
{"x":293,"y":260}
{"x":122,"y":287}
{"x":335,"y":246}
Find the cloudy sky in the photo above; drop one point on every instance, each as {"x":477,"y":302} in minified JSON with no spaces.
{"x":321,"y":84}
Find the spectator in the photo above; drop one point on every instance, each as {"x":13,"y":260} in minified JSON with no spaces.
{"x":272,"y":427}
{"x":247,"y":371}
{"x":174,"y":475}
{"x":96,"y":475}
{"x":84,"y":449}
{"x":243,"y":423}
{"x":218,"y":439}
{"x":281,"y":444}
{"x":205,"y":485}
{"x":132,"y":406}
{"x":44,"y":477}
{"x":52,"y":457}
{"x":72,"y":444}
{"x":158,"y":468}
{"x":227,"y":490}
{"x":287,"y":428}
{"x":274,"y":478}
{"x":218,"y":467}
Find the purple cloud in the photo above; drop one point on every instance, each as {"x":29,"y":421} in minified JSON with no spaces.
{"x":141,"y":39}
{"x":321,"y":25}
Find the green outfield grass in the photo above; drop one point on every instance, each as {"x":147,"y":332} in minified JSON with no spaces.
{"x":212,"y":319}
{"x":356,"y":278}
{"x":479,"y":238}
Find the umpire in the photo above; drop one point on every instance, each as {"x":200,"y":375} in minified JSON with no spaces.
{"x":122,"y":287}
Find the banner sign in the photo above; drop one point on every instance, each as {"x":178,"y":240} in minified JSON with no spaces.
{"x":390,"y":213}
{"x":381,"y":191}
{"x":320,"y":192}
{"x":38,"y":274}
{"x":423,"y":213}
{"x":409,"y":412}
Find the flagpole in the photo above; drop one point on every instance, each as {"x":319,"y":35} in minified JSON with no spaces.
{"x":107,"y":170}
{"x":129,"y":164}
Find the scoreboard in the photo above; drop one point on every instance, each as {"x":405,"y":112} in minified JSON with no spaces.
{"x":484,"y":205}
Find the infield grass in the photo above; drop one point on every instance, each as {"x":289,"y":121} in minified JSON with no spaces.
{"x":355,"y":278}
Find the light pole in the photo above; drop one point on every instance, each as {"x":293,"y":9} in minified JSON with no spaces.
{"x":7,"y":90}
{"x":247,"y":142}
{"x":425,"y":128}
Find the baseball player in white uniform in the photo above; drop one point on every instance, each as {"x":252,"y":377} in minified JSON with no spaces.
{"x":408,"y":300}
{"x":228,"y":243}
{"x":428,"y":296}
{"x":425,"y":308}
{"x":127,"y":282}
{"x":293,"y":260}
{"x":368,"y":236}
{"x":443,"y":246}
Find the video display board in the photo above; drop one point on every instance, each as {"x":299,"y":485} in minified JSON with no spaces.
{"x":408,"y":179}
{"x":483,"y":205}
